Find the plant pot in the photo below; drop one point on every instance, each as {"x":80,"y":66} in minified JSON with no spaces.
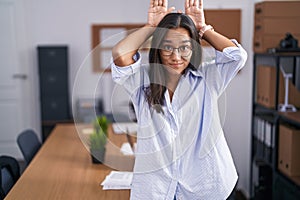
{"x":97,"y":155}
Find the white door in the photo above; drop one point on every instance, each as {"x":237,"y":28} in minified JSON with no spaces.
{"x":13,"y":77}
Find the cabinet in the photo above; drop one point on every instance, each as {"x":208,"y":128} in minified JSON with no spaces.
{"x":54,"y":86}
{"x":275,"y":143}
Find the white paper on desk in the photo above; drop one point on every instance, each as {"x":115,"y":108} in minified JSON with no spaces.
{"x":117,"y":180}
{"x":123,"y":127}
{"x":109,"y":187}
{"x":126,"y":149}
{"x":87,"y":131}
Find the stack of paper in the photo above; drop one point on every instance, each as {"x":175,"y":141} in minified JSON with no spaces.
{"x":127,"y":150}
{"x":117,"y":180}
{"x":125,"y":127}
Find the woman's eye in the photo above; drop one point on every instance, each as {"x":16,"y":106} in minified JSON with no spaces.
{"x":168,"y":48}
{"x":184,"y":48}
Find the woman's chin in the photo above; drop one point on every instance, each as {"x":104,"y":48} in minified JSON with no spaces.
{"x":174,"y":70}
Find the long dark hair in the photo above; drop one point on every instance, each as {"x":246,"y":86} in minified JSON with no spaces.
{"x":157,"y":74}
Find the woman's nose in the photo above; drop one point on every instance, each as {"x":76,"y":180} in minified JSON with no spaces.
{"x":176,"y":54}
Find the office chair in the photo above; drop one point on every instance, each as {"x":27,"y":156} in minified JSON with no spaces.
{"x":10,"y":173}
{"x":29,"y":144}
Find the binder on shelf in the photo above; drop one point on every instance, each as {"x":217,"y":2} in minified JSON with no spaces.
{"x":289,"y":148}
{"x":266,"y":88}
{"x":264,"y":139}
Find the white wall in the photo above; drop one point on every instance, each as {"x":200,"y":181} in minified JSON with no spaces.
{"x":68,"y":22}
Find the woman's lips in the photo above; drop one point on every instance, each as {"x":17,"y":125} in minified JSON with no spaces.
{"x":175,"y":65}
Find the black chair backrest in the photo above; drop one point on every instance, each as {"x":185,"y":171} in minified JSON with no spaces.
{"x":10,"y":173}
{"x":29,"y":144}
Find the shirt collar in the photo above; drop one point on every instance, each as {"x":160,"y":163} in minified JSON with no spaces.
{"x":194,"y":72}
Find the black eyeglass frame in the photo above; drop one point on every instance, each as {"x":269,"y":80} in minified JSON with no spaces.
{"x":165,"y":52}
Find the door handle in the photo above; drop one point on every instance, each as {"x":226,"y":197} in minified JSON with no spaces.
{"x":20,"y":76}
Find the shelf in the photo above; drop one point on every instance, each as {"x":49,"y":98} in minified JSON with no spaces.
{"x":294,"y":181}
{"x":267,"y":117}
{"x":272,"y":115}
{"x":285,"y":188}
{"x":266,"y":123}
{"x":262,"y":110}
{"x":291,"y":117}
{"x":279,"y":54}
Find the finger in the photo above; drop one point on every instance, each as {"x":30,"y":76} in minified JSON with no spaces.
{"x":165,"y":3}
{"x":152,"y":3}
{"x":201,"y":4}
{"x":191,"y":2}
{"x":179,"y":11}
{"x":187,"y":4}
{"x":155,"y":3}
{"x":196,"y":3}
{"x":160,"y":2}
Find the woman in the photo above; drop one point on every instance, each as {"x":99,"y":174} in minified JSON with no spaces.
{"x":181,"y":150}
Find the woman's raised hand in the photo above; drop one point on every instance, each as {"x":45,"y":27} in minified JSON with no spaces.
{"x":194,"y":9}
{"x":157,"y":10}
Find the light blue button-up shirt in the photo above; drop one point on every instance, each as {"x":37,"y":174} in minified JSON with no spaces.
{"x":182,"y":152}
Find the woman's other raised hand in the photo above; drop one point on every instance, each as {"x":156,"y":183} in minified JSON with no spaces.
{"x":194,"y":9}
{"x":157,"y":10}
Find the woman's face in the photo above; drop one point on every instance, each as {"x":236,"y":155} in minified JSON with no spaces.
{"x":176,"y":50}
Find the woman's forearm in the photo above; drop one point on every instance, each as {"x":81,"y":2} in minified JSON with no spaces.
{"x":124,"y":50}
{"x":216,"y":40}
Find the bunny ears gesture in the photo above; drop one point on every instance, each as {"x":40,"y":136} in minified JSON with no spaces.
{"x":159,"y":8}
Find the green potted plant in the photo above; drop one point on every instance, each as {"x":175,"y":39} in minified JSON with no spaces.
{"x":98,"y":139}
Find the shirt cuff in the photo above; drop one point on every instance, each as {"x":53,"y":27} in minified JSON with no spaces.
{"x":229,"y":53}
{"x":130,"y":69}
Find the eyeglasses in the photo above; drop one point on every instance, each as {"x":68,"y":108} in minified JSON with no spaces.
{"x":184,"y":50}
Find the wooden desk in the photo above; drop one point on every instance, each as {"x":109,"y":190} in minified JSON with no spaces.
{"x":62,"y":169}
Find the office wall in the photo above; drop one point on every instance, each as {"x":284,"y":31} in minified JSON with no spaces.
{"x":68,"y":22}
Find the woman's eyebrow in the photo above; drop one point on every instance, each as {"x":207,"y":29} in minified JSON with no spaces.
{"x":167,"y":41}
{"x":183,"y":41}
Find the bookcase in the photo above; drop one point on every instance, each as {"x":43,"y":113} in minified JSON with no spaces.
{"x":275,"y":135}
